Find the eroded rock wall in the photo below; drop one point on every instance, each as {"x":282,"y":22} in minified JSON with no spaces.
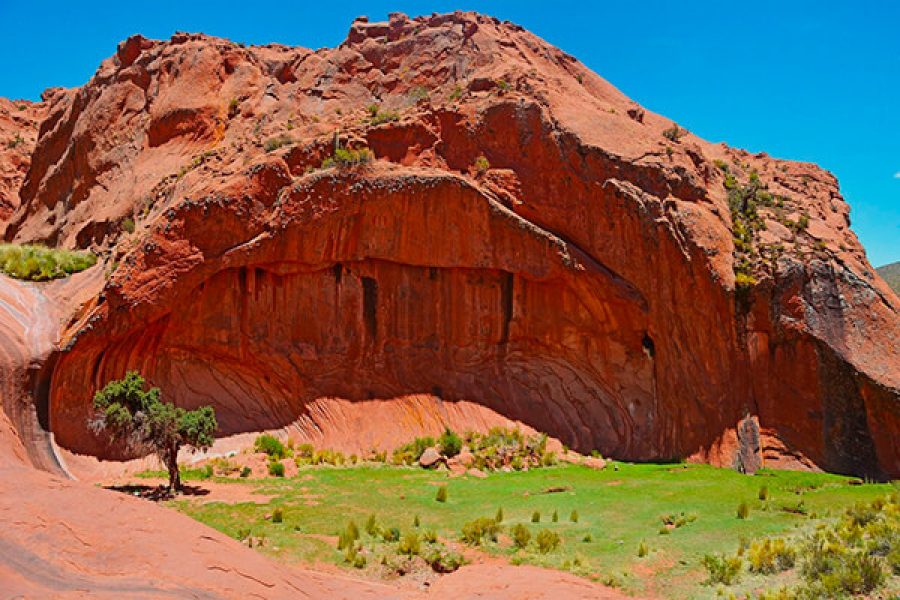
{"x":527,"y":239}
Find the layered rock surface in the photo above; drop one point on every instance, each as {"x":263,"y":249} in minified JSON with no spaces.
{"x":18,"y":134}
{"x":579,"y":279}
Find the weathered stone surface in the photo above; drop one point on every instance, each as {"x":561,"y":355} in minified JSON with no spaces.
{"x":19,"y":123}
{"x":430,"y":458}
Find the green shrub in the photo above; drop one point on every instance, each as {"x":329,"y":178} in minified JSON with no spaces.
{"x":128,"y":225}
{"x":720,"y":569}
{"x":588,"y":538}
{"x":246,"y":471}
{"x":430,"y":536}
{"x":416,"y":521}
{"x":304,"y":451}
{"x":474,"y":532}
{"x":499,"y":516}
{"x":743,"y":510}
{"x":277,"y":515}
{"x":555,"y":517}
{"x":674,"y":133}
{"x":450,"y":444}
{"x":348,"y":158}
{"x":408,"y":454}
{"x":481,"y":164}
{"x":371,"y":525}
{"x":275,"y":143}
{"x":271,"y":445}
{"x":520,"y":535}
{"x":378,"y":116}
{"x":859,"y":574}
{"x":547,"y":541}
{"x":410,"y":545}
{"x":391,"y":534}
{"x":37,"y":263}
{"x":348,"y":536}
{"x":443,"y":560}
{"x":276,"y":469}
{"x":771,"y":556}
{"x":643,"y":550}
{"x":536,"y":517}
{"x":441,"y":495}
{"x":763,"y":493}
{"x":573,"y":516}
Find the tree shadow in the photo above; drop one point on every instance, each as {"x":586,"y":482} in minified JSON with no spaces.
{"x":156,"y":493}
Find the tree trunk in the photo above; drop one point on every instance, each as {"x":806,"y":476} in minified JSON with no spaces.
{"x":172,"y":466}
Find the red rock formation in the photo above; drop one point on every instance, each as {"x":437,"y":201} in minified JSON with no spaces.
{"x":18,"y":133}
{"x":583,"y":282}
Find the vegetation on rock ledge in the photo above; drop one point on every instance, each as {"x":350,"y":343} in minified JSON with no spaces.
{"x":38,"y":263}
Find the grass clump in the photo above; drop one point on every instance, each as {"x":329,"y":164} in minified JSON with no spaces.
{"x":771,"y":556}
{"x":371,"y":525}
{"x":441,"y":495}
{"x":348,"y":158}
{"x":410,"y":544}
{"x":410,"y":453}
{"x":377,"y":116}
{"x":275,"y":143}
{"x":499,"y":516}
{"x":474,"y":532}
{"x":536,"y":517}
{"x":245,"y":472}
{"x":348,"y":536}
{"x":763,"y":494}
{"x":278,"y":515}
{"x":481,"y":164}
{"x":38,"y":263}
{"x":520,"y":535}
{"x":573,"y":516}
{"x":643,"y":550}
{"x":743,"y":510}
{"x":722,"y":570}
{"x":547,"y":541}
{"x":674,"y":133}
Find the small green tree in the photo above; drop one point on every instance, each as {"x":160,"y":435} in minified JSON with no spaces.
{"x":140,"y":418}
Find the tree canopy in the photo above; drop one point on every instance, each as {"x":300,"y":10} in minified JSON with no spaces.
{"x":140,"y":419}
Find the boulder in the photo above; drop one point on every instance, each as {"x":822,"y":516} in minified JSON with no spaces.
{"x":430,"y":458}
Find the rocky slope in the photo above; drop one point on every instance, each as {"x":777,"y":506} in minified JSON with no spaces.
{"x":527,"y":242}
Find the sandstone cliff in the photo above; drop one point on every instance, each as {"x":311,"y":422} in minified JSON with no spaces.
{"x":18,"y":134}
{"x":528,"y":241}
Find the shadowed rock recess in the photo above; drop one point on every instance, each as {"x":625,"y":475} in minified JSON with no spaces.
{"x":526,"y":240}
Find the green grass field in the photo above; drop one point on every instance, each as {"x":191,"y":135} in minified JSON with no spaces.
{"x":617,"y":509}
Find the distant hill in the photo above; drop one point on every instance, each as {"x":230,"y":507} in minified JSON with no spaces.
{"x":891,"y":274}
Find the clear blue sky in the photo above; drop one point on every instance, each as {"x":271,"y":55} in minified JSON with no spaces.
{"x":806,"y":80}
